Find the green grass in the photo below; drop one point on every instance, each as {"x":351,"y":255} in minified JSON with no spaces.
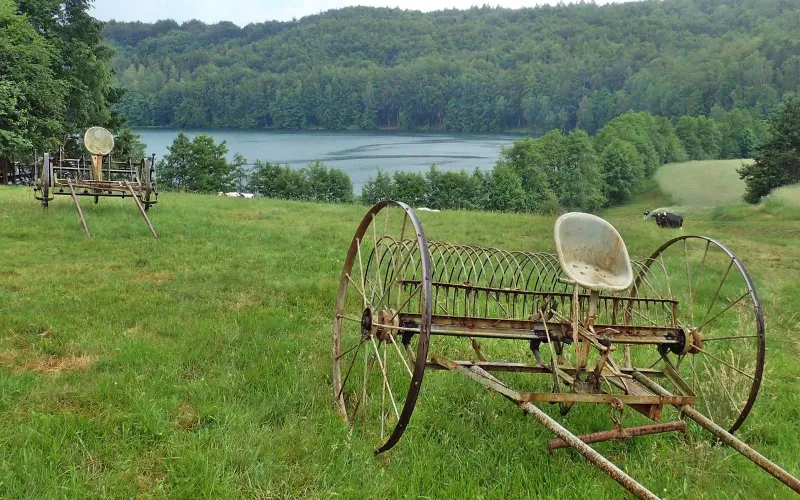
{"x":789,"y":195}
{"x":702,"y":184}
{"x":198,"y":364}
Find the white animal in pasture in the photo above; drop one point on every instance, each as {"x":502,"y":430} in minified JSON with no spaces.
{"x":237,"y":195}
{"x":426,"y":209}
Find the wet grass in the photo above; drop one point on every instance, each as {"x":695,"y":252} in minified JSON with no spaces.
{"x":198,"y":365}
{"x":702,"y":184}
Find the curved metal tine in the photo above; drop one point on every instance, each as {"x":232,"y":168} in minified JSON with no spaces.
{"x":716,"y":294}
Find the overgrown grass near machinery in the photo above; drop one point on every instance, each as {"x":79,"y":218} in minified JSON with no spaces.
{"x":199,"y":363}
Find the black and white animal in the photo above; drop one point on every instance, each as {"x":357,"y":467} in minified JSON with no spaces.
{"x":665,"y":219}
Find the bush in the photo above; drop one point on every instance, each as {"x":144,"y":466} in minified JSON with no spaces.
{"x":377,"y":189}
{"x":196,"y":165}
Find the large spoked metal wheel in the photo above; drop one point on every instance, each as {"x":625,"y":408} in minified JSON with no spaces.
{"x":378,"y":365}
{"x":720,"y":353}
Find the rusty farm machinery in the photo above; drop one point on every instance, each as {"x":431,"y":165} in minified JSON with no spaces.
{"x":98,"y":177}
{"x":682,"y":329}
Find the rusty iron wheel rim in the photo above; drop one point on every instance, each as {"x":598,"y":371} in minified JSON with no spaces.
{"x":347,"y":355}
{"x":752,"y":338}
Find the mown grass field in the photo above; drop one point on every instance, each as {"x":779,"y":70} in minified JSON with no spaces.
{"x":702,"y":184}
{"x":198,"y":364}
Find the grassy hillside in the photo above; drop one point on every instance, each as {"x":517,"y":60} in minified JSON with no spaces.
{"x":702,"y":183}
{"x":198,"y":364}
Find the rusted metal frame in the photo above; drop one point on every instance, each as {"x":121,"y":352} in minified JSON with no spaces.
{"x":142,"y":211}
{"x":584,"y":449}
{"x":605,"y":398}
{"x":533,"y":330}
{"x":725,"y":436}
{"x":80,"y":211}
{"x":618,"y":434}
{"x":500,"y":366}
{"x":583,"y":296}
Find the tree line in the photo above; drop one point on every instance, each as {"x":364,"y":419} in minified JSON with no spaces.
{"x":483,"y":69}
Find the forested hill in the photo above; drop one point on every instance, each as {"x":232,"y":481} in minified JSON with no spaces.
{"x":483,"y":69}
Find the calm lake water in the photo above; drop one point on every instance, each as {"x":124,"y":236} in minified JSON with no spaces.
{"x":358,"y":154}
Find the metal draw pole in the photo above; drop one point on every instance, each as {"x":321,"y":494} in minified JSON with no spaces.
{"x":485,"y":379}
{"x":725,"y":436}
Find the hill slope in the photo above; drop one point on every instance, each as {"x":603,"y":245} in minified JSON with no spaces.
{"x":198,"y":364}
{"x":475,"y":70}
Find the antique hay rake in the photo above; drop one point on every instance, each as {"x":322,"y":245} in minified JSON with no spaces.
{"x":100,"y":177}
{"x":682,"y":328}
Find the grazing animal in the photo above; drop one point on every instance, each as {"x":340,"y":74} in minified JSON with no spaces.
{"x":237,"y":195}
{"x":426,"y":209}
{"x":670,"y":220}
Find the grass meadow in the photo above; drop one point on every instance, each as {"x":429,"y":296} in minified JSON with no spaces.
{"x":198,"y":365}
{"x":702,"y":184}
{"x":788,"y":195}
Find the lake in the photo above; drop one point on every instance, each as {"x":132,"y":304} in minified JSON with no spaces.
{"x":360,"y":154}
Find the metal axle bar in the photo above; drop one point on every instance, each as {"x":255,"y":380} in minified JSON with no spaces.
{"x":726,"y":437}
{"x":625,"y":433}
{"x":485,"y":379}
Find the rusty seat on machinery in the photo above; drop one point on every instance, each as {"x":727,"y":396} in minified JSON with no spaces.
{"x":592,"y":254}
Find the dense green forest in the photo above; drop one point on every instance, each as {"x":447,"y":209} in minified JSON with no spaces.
{"x":483,"y":69}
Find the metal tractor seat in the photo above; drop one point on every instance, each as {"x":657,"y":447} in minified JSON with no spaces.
{"x":592,"y":254}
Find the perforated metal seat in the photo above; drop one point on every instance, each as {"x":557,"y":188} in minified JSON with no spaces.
{"x":591,"y":253}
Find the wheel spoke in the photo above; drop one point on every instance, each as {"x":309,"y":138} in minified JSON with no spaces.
{"x":688,"y":281}
{"x":361,"y":292}
{"x":702,"y":265}
{"x":349,"y":369}
{"x":361,"y":268}
{"x":718,"y":360}
{"x":385,"y":378}
{"x":400,"y":353}
{"x":712,"y":339}
{"x":724,"y":310}
{"x":716,"y":294}
{"x":349,"y":350}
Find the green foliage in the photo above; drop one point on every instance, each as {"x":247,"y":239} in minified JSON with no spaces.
{"x":128,"y":145}
{"x":31,"y":97}
{"x":197,"y":165}
{"x":702,"y":137}
{"x":314,"y":183}
{"x":410,"y":187}
{"x":623,"y":169}
{"x":777,"y":160}
{"x":505,"y":191}
{"x":481,"y":69}
{"x":377,"y":189}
